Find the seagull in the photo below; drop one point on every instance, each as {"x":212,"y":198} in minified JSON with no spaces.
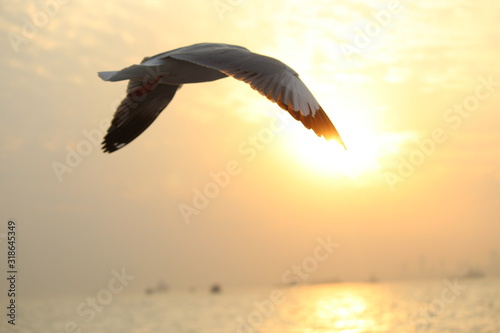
{"x":154,"y":82}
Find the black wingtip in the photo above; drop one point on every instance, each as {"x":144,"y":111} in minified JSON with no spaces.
{"x":107,"y":149}
{"x":109,"y":146}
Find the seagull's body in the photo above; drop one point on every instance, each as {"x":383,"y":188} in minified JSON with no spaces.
{"x":154,"y":82}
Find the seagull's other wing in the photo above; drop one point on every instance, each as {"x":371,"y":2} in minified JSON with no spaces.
{"x":143,"y":103}
{"x":269,"y":76}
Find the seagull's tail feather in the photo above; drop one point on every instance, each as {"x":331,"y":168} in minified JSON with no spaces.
{"x":107,"y":76}
{"x":134,"y":72}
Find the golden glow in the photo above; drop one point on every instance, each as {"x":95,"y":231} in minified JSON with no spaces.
{"x":365,"y":148}
{"x":357,"y":119}
{"x":347,"y":314}
{"x":345,"y":311}
{"x":330,"y":157}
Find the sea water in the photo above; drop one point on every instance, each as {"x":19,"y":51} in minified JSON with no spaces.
{"x":437,"y":306}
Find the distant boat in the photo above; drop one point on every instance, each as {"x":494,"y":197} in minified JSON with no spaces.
{"x":215,"y":289}
{"x":373,"y":279}
{"x":160,"y":288}
{"x":473,"y":274}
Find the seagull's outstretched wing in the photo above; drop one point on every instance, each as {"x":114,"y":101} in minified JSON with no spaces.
{"x":269,"y":76}
{"x":143,"y":103}
{"x":201,"y":63}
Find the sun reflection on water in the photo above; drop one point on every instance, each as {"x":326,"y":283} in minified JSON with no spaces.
{"x":346,"y":308}
{"x":346,"y":313}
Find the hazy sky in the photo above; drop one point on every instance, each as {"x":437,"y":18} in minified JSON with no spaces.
{"x":412,"y":86}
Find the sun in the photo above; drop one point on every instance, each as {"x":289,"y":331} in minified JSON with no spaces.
{"x":329,"y":157}
{"x":366,"y":148}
